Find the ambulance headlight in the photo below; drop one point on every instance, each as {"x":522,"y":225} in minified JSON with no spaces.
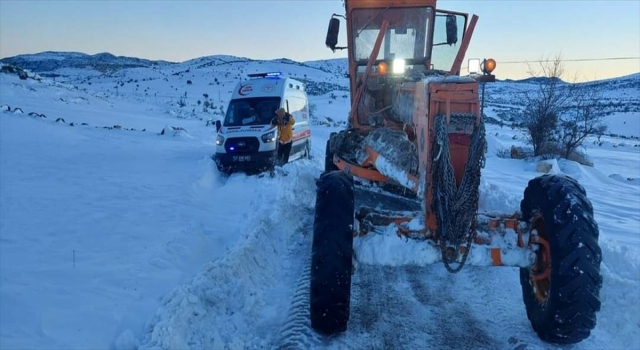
{"x":219,"y":140}
{"x":269,"y":137}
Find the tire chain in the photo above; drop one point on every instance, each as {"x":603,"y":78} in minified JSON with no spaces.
{"x":456,"y":208}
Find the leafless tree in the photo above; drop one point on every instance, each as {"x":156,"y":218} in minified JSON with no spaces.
{"x":559,"y":115}
{"x":585,"y":117}
{"x":545,"y":105}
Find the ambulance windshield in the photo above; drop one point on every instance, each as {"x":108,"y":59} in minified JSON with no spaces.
{"x":251,"y":111}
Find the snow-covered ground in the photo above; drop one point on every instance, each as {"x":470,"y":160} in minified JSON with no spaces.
{"x":115,"y":238}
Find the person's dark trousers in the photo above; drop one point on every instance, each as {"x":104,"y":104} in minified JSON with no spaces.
{"x":283,"y":153}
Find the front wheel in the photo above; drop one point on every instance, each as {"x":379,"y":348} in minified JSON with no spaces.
{"x":332,"y":253}
{"x":562,"y":303}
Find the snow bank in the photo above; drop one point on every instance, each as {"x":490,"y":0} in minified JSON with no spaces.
{"x":620,"y":297}
{"x":224,"y":305}
{"x":495,"y":200}
{"x":175,"y":131}
{"x":630,"y":181}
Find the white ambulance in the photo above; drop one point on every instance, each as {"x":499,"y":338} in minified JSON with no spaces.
{"x":245,"y":139}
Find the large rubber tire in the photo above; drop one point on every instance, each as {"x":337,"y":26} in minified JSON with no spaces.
{"x":566,"y":313}
{"x":332,"y":252}
{"x":328,"y":158}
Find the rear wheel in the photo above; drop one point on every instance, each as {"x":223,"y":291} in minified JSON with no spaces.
{"x":332,"y":252}
{"x":562,"y":303}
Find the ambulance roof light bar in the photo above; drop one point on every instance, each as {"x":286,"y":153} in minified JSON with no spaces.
{"x":264,"y":75}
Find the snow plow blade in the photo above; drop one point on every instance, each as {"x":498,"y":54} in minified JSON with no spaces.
{"x":384,"y":235}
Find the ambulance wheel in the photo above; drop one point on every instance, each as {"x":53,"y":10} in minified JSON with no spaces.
{"x":561,"y":291}
{"x":331,"y":253}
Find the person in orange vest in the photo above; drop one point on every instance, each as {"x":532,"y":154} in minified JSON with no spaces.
{"x":285,"y":122}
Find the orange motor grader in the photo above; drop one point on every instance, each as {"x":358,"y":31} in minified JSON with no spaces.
{"x":408,"y":166}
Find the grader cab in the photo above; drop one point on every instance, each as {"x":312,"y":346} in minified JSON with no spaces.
{"x":409,"y":163}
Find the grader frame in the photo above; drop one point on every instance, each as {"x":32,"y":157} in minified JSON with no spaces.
{"x":418,"y":106}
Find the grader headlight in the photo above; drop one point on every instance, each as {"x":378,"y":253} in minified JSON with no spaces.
{"x":474,"y":66}
{"x":398,"y":66}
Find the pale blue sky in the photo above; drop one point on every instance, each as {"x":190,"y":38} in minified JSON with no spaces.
{"x":508,"y":30}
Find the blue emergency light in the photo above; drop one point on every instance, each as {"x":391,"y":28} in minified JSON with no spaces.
{"x":265,"y":75}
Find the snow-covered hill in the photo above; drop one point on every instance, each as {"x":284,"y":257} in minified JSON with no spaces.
{"x":212,"y":78}
{"x":115,"y":235}
{"x":48,"y":62}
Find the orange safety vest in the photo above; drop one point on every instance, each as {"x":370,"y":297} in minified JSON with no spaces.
{"x":285,"y":132}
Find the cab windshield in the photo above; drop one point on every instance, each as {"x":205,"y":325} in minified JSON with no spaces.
{"x":406,"y":37}
{"x":251,"y":111}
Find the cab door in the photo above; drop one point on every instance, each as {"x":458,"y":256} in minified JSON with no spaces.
{"x":298,"y":107}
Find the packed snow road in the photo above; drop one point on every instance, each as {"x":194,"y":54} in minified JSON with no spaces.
{"x":422,"y":308}
{"x":400,"y":308}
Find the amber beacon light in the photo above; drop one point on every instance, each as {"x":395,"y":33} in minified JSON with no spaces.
{"x":488,"y":66}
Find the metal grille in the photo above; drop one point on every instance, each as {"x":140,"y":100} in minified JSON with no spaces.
{"x":240,"y":145}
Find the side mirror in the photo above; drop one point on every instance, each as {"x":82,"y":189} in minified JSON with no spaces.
{"x":332,"y":34}
{"x":452,"y":29}
{"x":218,"y":125}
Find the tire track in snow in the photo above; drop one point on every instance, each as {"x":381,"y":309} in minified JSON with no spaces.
{"x":454,"y":324}
{"x":375,"y":291}
{"x":411,"y":308}
{"x":296,"y":332}
{"x":400,"y":308}
{"x":382,"y":314}
{"x":498,"y":299}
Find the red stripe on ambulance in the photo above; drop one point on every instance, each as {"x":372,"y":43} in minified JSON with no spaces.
{"x":301,"y":135}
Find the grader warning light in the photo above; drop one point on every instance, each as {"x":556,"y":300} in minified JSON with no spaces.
{"x":488,"y":66}
{"x":383,"y":68}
